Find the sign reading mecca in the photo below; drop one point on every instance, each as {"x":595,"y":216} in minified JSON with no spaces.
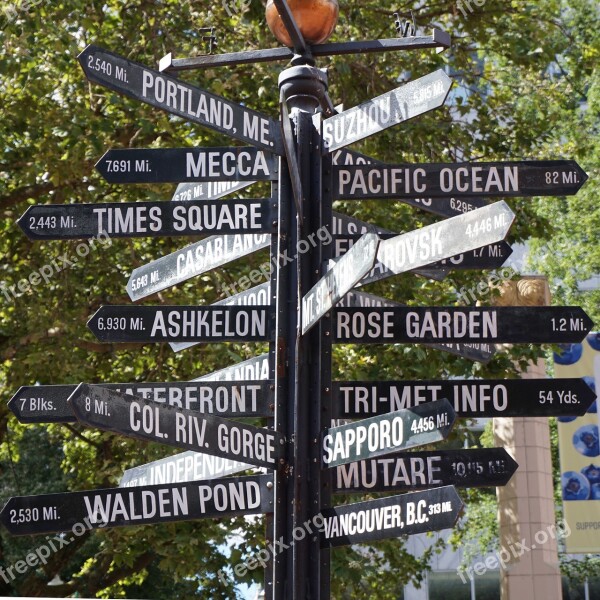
{"x":579,"y":444}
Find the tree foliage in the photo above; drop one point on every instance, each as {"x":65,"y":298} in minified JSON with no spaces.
{"x":521,"y":70}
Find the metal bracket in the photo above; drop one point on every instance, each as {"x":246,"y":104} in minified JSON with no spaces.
{"x":406,"y":28}
{"x":211,"y":38}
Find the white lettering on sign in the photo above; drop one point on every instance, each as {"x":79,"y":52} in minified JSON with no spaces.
{"x":198,"y":323}
{"x":456,"y":324}
{"x":358,"y":440}
{"x":409,"y":471}
{"x":226,"y":164}
{"x":363,"y":521}
{"x":122,"y":506}
{"x":230,"y":497}
{"x":373,"y":325}
{"x":133,"y":219}
{"x":213,"y":217}
{"x":245,"y":444}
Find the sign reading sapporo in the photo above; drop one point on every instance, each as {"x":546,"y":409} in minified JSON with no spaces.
{"x":106,"y":409}
{"x":180,"y":98}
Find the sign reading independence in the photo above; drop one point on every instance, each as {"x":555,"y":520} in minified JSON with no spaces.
{"x":182,"y":323}
{"x":146,"y":219}
{"x":177,"y":165}
{"x":391,"y":517}
{"x":471,"y":398}
{"x":246,"y":398}
{"x":514,"y":178}
{"x":179,"y":98}
{"x":119,"y":507}
{"x":505,"y":324}
{"x":405,"y":471}
{"x":99,"y":407}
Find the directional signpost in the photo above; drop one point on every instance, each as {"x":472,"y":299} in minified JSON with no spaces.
{"x":402,"y":104}
{"x":523,"y":178}
{"x":135,"y":417}
{"x":182,"y":324}
{"x":181,"y":468}
{"x":423,"y":424}
{"x":191,"y":261}
{"x":120,"y":507}
{"x":406,"y":471}
{"x":49,"y":403}
{"x":179,"y":98}
{"x":291,"y":386}
{"x":391,"y":517}
{"x":506,"y":324}
{"x":470,"y":398}
{"x":146,"y":219}
{"x":175,"y":165}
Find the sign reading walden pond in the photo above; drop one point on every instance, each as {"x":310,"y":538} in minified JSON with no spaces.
{"x":199,"y":416}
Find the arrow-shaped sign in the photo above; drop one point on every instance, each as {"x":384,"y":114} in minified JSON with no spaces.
{"x":211,"y":190}
{"x":259,"y":295}
{"x":181,"y":468}
{"x":479,"y":352}
{"x":503,"y":324}
{"x":376,"y":436}
{"x":418,"y":512}
{"x":399,"y":105}
{"x":118,"y":507}
{"x":470,"y":398}
{"x":255,"y":368}
{"x":135,"y":417}
{"x":243,"y":398}
{"x":405,"y":471}
{"x":339,"y":280}
{"x":193,"y":260}
{"x":147,"y":219}
{"x":493,"y":179}
{"x":175,"y":165}
{"x":182,"y":323}
{"x":180,"y":98}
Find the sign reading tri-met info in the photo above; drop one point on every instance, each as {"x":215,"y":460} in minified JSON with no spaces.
{"x":579,"y":448}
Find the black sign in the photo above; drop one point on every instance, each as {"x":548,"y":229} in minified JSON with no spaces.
{"x":210,"y":190}
{"x":193,"y":260}
{"x":406,"y":471}
{"x":515,"y":178}
{"x":119,"y":507}
{"x":339,"y":280}
{"x":478,"y":352}
{"x":405,"y":102}
{"x":471,"y":398}
{"x":182,"y":324}
{"x":185,"y":466}
{"x":180,"y":98}
{"x":246,"y":398}
{"x":446,"y":207}
{"x":175,"y":165}
{"x":256,"y":368}
{"x":135,"y":417}
{"x":146,"y":219}
{"x":256,"y":296}
{"x":390,"y":517}
{"x":424,"y":424}
{"x":505,"y":324}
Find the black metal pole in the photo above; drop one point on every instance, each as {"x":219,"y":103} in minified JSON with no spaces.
{"x":299,"y":570}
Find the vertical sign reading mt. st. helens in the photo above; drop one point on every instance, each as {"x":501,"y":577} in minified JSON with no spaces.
{"x":179,"y":98}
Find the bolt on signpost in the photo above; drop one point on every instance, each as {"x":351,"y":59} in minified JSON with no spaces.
{"x":307,"y":305}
